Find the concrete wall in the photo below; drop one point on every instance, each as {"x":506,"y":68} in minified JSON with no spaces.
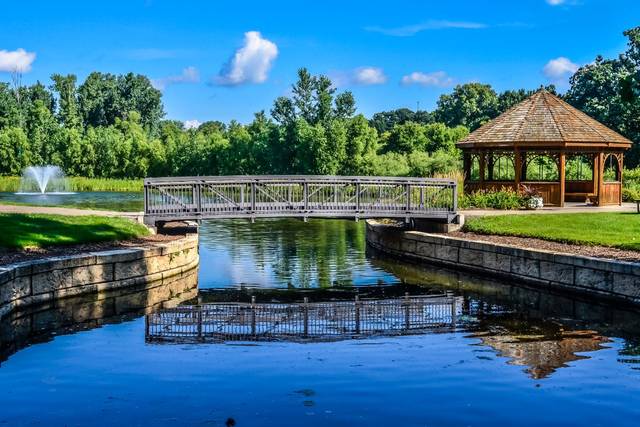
{"x":37,"y":282}
{"x":593,"y":276}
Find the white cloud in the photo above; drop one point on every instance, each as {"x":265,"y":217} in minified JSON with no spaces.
{"x":410,"y":30}
{"x":559,"y":68}
{"x":251,"y":63}
{"x":188,"y":75}
{"x":436,"y":78}
{"x":192,"y":124}
{"x":555,"y":2}
{"x":369,"y":76}
{"x":16,"y":60}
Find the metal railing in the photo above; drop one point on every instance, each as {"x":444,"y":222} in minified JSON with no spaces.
{"x":192,"y":198}
{"x":302,"y":321}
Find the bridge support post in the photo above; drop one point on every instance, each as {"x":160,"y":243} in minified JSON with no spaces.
{"x":357,"y":314}
{"x":199,"y":320}
{"x":253,"y":316}
{"x":305,"y":310}
{"x":407,"y":317}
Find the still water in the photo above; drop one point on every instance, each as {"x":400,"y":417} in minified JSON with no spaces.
{"x":116,"y":201}
{"x":518,"y":357}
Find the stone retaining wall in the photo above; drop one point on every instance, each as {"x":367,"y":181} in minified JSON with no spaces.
{"x":593,"y":276}
{"x":41,"y":281}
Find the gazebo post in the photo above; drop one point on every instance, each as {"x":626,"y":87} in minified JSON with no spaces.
{"x":518,"y":167}
{"x":482,"y":167}
{"x":562,"y":177}
{"x":620,"y":171}
{"x":600,"y":176}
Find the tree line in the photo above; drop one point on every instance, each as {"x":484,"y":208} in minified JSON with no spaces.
{"x":112,"y":126}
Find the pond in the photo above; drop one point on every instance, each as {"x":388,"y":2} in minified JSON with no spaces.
{"x":517,"y":356}
{"x":116,"y":201}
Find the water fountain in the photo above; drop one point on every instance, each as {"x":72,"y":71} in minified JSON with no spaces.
{"x":39,"y":180}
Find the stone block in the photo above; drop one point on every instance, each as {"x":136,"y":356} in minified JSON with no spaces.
{"x":446,"y":253}
{"x":126,"y":270}
{"x":593,"y":279}
{"x":497,"y":261}
{"x":17,"y":288}
{"x":92,"y":274}
{"x":525,"y":266}
{"x":118,"y":255}
{"x":627,"y":285}
{"x":424,"y":249}
{"x":408,"y":246}
{"x":51,"y":281}
{"x":555,"y":272}
{"x":6,"y":274}
{"x":471,"y":257}
{"x":59,"y":263}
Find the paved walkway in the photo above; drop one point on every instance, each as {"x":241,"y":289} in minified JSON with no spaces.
{"x":568,"y":208}
{"x":65,"y":211}
{"x":137,"y":216}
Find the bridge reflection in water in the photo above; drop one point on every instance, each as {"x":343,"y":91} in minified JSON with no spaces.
{"x":315,"y":321}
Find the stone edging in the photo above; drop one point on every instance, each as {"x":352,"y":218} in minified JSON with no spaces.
{"x":576,"y":273}
{"x":41,"y":281}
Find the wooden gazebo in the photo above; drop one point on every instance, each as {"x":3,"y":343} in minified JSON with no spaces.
{"x":546,"y":144}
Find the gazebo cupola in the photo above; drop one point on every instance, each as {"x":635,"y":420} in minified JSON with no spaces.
{"x":547,"y":144}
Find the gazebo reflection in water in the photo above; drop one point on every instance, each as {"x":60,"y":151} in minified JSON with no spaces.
{"x":550,"y":146}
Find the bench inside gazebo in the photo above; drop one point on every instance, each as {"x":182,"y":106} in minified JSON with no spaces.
{"x":550,"y":146}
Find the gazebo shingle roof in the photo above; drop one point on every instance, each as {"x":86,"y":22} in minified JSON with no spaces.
{"x":540,"y":120}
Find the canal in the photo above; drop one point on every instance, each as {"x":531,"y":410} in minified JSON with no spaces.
{"x":517,"y":355}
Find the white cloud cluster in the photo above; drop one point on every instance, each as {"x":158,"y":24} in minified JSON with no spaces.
{"x":436,"y":78}
{"x":559,"y":68}
{"x":188,"y":75}
{"x":369,"y":76}
{"x":410,"y":30}
{"x":16,"y":60}
{"x":192,"y":124}
{"x":555,"y":2}
{"x":250,"y":63}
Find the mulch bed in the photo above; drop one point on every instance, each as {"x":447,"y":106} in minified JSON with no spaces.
{"x":531,"y":243}
{"x":9,"y":257}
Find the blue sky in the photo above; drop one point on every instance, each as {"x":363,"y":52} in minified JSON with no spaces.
{"x":218,"y":60}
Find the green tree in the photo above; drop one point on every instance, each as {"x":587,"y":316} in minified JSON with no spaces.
{"x":385,"y":120}
{"x":470,"y":105}
{"x":604,"y":90}
{"x":14,"y":151}
{"x":65,"y":86}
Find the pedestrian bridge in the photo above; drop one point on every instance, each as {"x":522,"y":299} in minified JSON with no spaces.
{"x":302,"y":196}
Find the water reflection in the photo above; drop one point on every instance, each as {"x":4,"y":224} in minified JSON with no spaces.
{"x":23,"y":328}
{"x":286,"y":253}
{"x":543,"y":356}
{"x":537,"y":328}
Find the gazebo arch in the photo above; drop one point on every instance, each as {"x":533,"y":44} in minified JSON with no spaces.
{"x":544,"y":135}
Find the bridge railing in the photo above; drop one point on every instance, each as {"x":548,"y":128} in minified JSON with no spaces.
{"x":297,"y":196}
{"x":306,"y":320}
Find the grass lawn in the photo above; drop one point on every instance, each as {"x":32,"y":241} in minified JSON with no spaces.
{"x":619,"y":230}
{"x":21,"y":231}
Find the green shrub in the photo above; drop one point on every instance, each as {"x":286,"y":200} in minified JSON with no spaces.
{"x":77,"y":183}
{"x":506,"y":198}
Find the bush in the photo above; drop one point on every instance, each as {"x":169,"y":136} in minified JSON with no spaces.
{"x":506,"y":198}
{"x":631,"y":184}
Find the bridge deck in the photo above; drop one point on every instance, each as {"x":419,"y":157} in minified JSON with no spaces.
{"x":192,"y":198}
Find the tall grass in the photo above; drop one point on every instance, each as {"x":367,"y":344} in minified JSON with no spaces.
{"x":78,"y":183}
